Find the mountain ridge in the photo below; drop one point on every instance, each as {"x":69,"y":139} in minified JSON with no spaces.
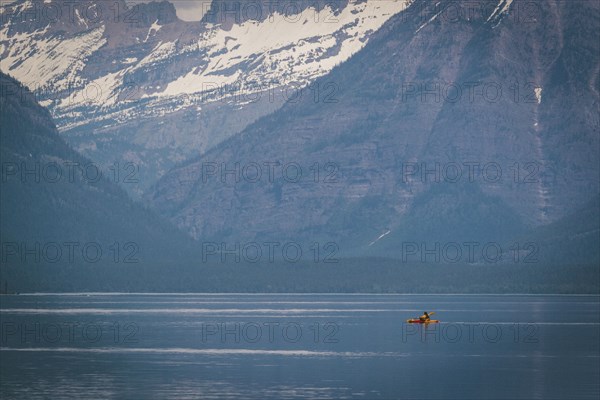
{"x":386,"y":122}
{"x":55,"y":202}
{"x":136,"y":84}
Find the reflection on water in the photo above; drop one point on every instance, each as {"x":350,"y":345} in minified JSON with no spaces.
{"x":219,"y":346}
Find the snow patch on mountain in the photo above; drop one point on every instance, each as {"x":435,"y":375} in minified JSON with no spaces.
{"x":429,"y":21}
{"x":538,"y":94}
{"x":102,"y":90}
{"x":303,"y":47}
{"x":502,"y":7}
{"x":153,"y":29}
{"x":277,"y":51}
{"x":387,"y":232}
{"x":161,"y":52}
{"x":37,"y":59}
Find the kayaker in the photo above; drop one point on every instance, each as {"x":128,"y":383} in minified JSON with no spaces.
{"x":424,"y":317}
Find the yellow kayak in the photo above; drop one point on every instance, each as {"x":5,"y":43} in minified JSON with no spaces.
{"x":418,"y":321}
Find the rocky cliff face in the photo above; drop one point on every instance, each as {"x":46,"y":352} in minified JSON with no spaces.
{"x":136,"y":84}
{"x":458,"y":121}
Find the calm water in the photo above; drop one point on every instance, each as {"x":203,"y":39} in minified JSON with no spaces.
{"x":237,"y":346}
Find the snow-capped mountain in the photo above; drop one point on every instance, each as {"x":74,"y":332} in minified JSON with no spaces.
{"x":136,"y":84}
{"x":459,"y":121}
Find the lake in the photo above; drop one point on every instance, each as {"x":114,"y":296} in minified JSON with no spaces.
{"x":290,"y":346}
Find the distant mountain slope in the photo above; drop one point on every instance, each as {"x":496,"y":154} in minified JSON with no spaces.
{"x":134,"y":83}
{"x":51,"y":196}
{"x":574,"y":239}
{"x":453,"y":123}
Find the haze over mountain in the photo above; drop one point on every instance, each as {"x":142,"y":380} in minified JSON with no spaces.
{"x":136,"y":84}
{"x":454,"y":122}
{"x":57,"y":213}
{"x":60,"y":209}
{"x":499,"y":102}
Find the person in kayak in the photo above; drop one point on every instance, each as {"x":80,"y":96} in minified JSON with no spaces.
{"x":424,"y":317}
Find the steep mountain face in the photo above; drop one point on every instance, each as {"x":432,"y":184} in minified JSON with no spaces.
{"x":136,"y":84}
{"x":574,"y":239}
{"x":457,"y":122}
{"x":54,"y":202}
